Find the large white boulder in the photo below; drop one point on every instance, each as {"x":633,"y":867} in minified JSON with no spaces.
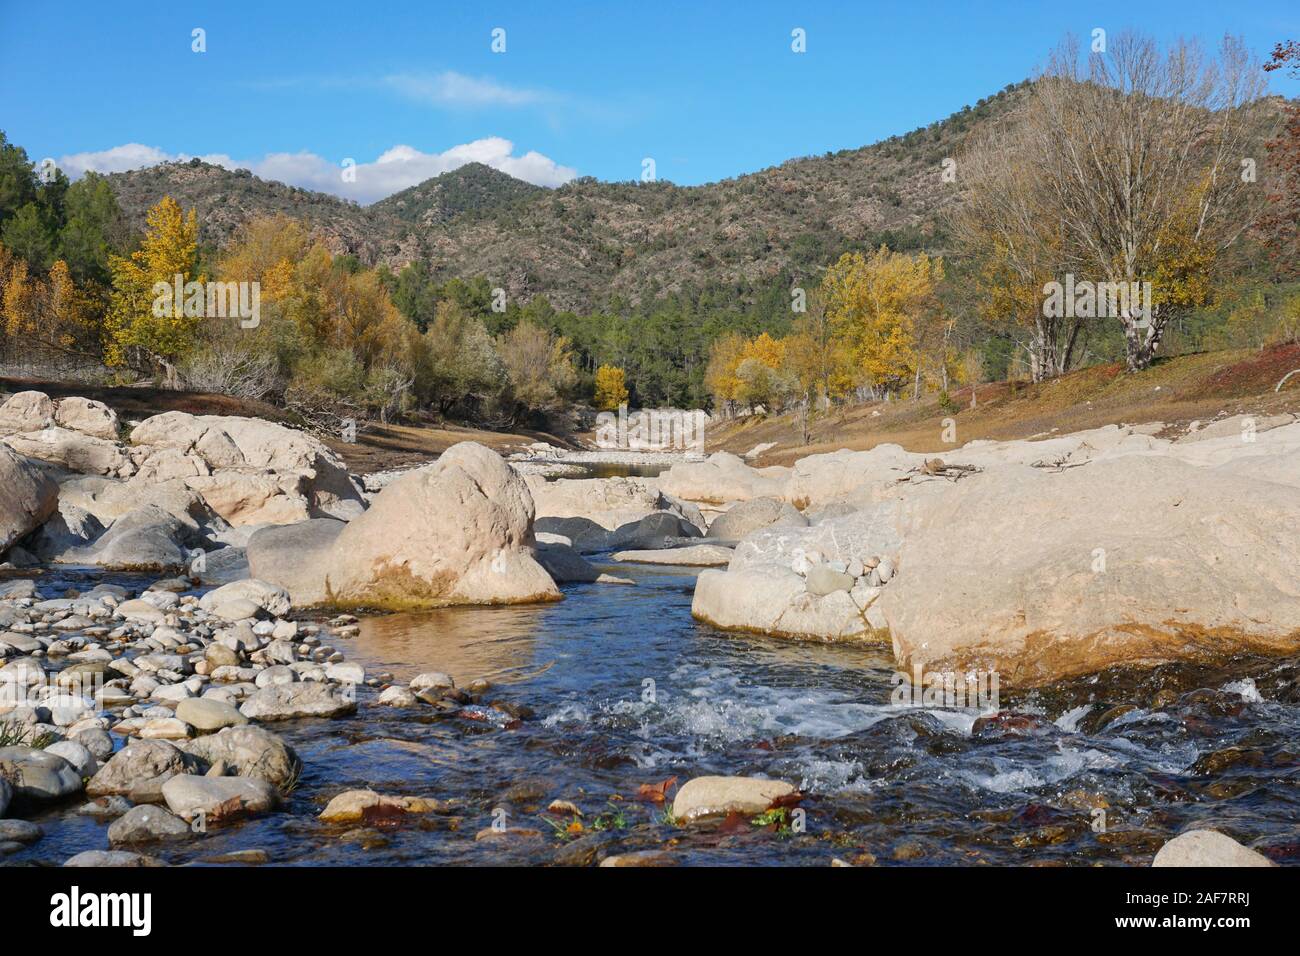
{"x":1137,"y":559}
{"x":249,"y":470}
{"x":26,"y":412}
{"x":87,"y":416}
{"x":74,"y":451}
{"x":764,"y":588}
{"x":721,"y":478}
{"x":459,"y":531}
{"x":27,"y":497}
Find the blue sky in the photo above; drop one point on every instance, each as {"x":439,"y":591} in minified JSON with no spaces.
{"x":406,"y":90}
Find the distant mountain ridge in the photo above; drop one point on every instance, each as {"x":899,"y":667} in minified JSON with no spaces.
{"x":586,"y":241}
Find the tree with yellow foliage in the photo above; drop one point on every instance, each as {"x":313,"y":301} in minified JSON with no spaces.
{"x":138,"y":318}
{"x":267,"y":250}
{"x":611,"y":388}
{"x":45,"y":315}
{"x":725,"y":355}
{"x":879,"y":307}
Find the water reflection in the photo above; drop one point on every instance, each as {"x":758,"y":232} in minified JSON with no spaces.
{"x":467,"y":643}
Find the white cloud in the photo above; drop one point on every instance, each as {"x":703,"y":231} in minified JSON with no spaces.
{"x":394,"y":170}
{"x":455,"y":89}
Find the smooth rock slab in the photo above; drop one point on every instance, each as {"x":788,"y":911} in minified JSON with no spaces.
{"x":1207,"y":848}
{"x":693,"y":556}
{"x":287,"y":701}
{"x":218,"y":797}
{"x":705,"y":797}
{"x":204,"y":713}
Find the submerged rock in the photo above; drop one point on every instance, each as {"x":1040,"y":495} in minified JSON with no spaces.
{"x":216,"y":798}
{"x":704,"y":797}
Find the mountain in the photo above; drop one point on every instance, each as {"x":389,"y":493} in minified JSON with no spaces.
{"x":586,"y":241}
{"x":224,"y":199}
{"x":472,"y":188}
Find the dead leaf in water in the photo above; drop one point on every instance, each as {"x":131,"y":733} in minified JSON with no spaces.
{"x":656,"y":792}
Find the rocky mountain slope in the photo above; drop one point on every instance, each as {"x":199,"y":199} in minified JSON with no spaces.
{"x":588,"y":240}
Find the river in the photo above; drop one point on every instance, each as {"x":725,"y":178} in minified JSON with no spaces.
{"x":617,"y":686}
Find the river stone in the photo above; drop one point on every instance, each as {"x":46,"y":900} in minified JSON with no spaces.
{"x":19,"y":831}
{"x":38,"y":775}
{"x":640,"y":858}
{"x":293,"y":557}
{"x":101,"y":858}
{"x":6,"y":795}
{"x":140,"y":765}
{"x":188,"y":796}
{"x":431,"y":679}
{"x":204,"y":713}
{"x":140,"y":610}
{"x":287,"y":701}
{"x":704,"y":797}
{"x":823,"y":580}
{"x":351,"y":805}
{"x":397,"y":696}
{"x":250,"y":752}
{"x":97,"y":741}
{"x":271,"y":598}
{"x":148,"y":538}
{"x":219,"y":655}
{"x":147,"y":824}
{"x":1207,"y":848}
{"x":76,"y":754}
{"x":563,"y":563}
{"x":459,"y":531}
{"x":745,"y":517}
{"x":27,"y":496}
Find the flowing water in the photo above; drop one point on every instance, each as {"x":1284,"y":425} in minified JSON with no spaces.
{"x":617,"y":687}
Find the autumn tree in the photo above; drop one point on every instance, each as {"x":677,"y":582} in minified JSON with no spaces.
{"x":611,"y":388}
{"x":1005,"y":226}
{"x":165,"y":334}
{"x":880,"y":306}
{"x":538,"y":364}
{"x":725,"y":355}
{"x":1138,"y":153}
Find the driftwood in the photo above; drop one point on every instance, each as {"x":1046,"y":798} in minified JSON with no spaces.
{"x":938,"y":468}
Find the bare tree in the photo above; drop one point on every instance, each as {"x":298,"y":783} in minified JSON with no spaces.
{"x":1006,"y":225}
{"x":1140,"y":154}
